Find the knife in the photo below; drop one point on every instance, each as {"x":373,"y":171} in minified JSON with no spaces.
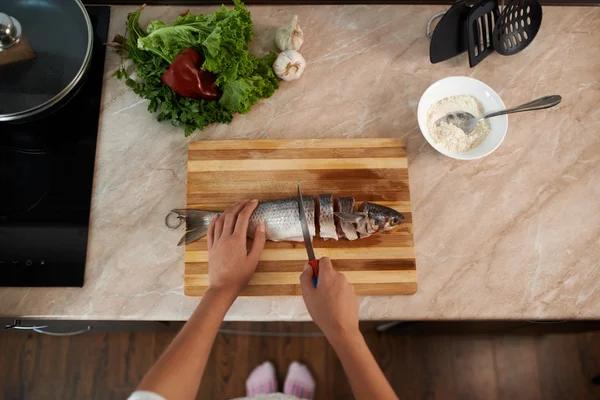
{"x":312,"y":260}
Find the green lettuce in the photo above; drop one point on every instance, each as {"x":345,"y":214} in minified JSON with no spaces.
{"x":167,"y":42}
{"x":241,"y":93}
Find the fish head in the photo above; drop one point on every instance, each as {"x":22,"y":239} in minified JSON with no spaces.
{"x":379,"y":218}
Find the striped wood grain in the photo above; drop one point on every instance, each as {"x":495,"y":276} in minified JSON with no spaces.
{"x":223,"y":172}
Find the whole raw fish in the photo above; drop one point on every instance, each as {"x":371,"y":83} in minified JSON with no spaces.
{"x":282,"y":223}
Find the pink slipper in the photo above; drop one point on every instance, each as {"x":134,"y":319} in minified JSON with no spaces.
{"x":262,"y":380}
{"x":299,"y":382}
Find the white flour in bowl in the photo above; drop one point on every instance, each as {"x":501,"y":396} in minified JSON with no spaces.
{"x":450,"y":137}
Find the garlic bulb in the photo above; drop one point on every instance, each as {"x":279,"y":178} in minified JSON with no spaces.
{"x":289,"y":65}
{"x":289,"y":37}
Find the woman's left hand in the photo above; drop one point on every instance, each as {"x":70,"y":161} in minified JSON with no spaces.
{"x":230,"y":263}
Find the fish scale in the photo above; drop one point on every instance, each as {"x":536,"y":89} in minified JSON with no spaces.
{"x":281,"y":219}
{"x":326,"y":220}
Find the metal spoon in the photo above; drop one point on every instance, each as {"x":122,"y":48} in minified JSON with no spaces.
{"x":467,"y":121}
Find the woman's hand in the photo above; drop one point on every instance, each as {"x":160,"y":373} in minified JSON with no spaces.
{"x":230,"y":263}
{"x":177,"y":374}
{"x":333,"y":305}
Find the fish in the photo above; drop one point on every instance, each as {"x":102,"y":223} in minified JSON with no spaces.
{"x":345,"y":230}
{"x":282,"y":221}
{"x":325,"y":216}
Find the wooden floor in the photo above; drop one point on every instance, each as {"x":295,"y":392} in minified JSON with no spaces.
{"x":480,"y":366}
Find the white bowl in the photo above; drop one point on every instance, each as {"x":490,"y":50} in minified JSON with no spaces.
{"x":489,"y":99}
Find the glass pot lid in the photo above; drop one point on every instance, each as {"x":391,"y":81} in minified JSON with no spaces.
{"x":45,"y":50}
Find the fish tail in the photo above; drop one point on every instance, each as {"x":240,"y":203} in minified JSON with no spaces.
{"x":196,"y":223}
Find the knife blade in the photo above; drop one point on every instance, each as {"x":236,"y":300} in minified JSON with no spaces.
{"x":312,"y":260}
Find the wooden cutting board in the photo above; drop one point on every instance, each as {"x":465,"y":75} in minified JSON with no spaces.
{"x":223,"y":172}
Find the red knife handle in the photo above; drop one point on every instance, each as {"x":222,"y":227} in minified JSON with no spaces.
{"x":315,"y":267}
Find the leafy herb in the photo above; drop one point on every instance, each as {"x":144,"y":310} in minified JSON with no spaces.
{"x":222,"y":37}
{"x":241,"y":93}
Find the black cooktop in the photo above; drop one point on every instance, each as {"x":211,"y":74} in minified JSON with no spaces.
{"x":46,"y":175}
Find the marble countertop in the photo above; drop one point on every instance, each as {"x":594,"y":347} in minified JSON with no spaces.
{"x":515,"y":235}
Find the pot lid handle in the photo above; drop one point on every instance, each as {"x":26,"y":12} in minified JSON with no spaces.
{"x":10,"y":31}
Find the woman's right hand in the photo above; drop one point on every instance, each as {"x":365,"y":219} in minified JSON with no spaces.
{"x":333,"y":305}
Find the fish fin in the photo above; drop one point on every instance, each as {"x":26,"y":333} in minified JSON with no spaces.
{"x":191,"y":236}
{"x":197,"y":222}
{"x":350,"y":217}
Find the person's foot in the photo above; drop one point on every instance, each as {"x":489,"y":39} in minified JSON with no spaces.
{"x":299,"y":382}
{"x":262,"y":380}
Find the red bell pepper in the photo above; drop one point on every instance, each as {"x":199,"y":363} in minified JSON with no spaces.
{"x":186,"y":77}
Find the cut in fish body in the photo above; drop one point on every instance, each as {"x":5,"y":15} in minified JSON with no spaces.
{"x":345,"y":229}
{"x":282,"y":222}
{"x":326,"y":219}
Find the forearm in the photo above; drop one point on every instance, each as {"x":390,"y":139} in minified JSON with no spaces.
{"x":365,"y":377}
{"x":178,"y":372}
